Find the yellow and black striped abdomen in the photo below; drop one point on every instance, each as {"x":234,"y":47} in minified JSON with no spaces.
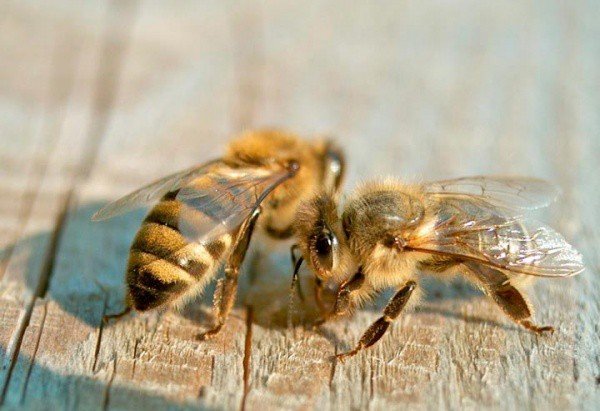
{"x":165,"y":267}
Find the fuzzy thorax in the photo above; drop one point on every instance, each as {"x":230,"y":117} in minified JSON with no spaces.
{"x":279,"y":148}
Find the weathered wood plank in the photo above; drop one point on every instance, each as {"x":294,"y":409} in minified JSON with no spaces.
{"x":423,"y":90}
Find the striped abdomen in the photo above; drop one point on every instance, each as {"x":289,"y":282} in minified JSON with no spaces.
{"x":164,"y":266}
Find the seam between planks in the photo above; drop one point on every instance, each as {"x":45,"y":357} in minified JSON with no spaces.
{"x":13,"y":348}
{"x":247,"y":356}
{"x":49,"y":137}
{"x":99,"y":339}
{"x":106,"y":398}
{"x":24,"y":319}
{"x":35,"y":350}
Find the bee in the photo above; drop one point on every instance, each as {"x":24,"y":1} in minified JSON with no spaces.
{"x":207,"y":214}
{"x":388,"y":232}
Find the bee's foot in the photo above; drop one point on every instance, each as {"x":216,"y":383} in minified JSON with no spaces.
{"x":319,"y":323}
{"x":209,"y":334}
{"x":341,"y":357}
{"x":107,"y":318}
{"x":537,"y":329}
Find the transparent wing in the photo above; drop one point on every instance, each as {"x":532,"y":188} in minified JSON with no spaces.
{"x":152,"y":192}
{"x":508,"y":192}
{"x":220,"y":201}
{"x":472,"y":229}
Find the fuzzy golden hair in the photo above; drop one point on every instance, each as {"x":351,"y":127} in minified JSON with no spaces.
{"x":381,"y":207}
{"x":282,"y":147}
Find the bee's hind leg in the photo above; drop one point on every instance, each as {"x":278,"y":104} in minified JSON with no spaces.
{"x":378,"y":328}
{"x":513,"y":303}
{"x":227,"y":289}
{"x":508,"y":298}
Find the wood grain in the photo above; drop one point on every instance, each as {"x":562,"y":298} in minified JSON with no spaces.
{"x":98,"y":98}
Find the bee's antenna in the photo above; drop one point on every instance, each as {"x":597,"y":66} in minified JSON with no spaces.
{"x":296,"y":263}
{"x":296,"y":280}
{"x":295,"y":284}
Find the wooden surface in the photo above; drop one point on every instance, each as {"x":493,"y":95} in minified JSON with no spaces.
{"x":99,"y":97}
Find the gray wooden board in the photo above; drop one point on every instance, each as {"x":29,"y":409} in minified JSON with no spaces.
{"x":99,"y":97}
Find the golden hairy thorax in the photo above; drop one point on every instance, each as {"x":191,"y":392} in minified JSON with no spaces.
{"x":280,"y":206}
{"x":380,"y":211}
{"x":374,"y":218}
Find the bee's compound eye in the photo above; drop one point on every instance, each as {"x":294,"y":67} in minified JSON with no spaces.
{"x":324,"y":244}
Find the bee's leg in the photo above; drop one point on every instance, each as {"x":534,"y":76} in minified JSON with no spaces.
{"x":293,"y":257}
{"x":318,"y":290}
{"x":296,"y":262}
{"x":343,"y":301}
{"x":378,"y":328}
{"x":117,"y":316}
{"x":510,"y":300}
{"x":514,"y":304}
{"x":228,"y":287}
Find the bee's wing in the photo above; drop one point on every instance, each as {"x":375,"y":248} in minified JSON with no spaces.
{"x":152,"y":192}
{"x":220,"y":201}
{"x":508,"y":192}
{"x":471,"y":229}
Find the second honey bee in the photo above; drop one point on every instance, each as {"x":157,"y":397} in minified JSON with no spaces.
{"x":389,"y":231}
{"x":208,"y":213}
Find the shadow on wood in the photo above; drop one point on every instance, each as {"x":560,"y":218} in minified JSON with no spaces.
{"x":90,"y":270}
{"x":91,"y":267}
{"x":35,"y":386}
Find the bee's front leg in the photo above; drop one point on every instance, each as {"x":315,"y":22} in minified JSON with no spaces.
{"x":343,"y":301}
{"x":318,"y":293}
{"x":227,"y":289}
{"x":379,"y":327}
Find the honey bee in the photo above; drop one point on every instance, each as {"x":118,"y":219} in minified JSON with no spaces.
{"x":207,"y":214}
{"x":388,"y":232}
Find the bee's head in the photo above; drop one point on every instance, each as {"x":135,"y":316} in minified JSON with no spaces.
{"x":320,"y":237}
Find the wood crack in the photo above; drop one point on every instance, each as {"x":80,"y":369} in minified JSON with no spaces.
{"x":13,"y":349}
{"x":35,"y":350}
{"x":106,"y":399}
{"x":55,"y":239}
{"x":44,"y":279}
{"x":333,"y":368}
{"x":135,"y":357}
{"x":247,"y":355}
{"x":61,"y":87}
{"x":99,"y":339}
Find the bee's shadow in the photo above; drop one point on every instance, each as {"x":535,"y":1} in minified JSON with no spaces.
{"x":90,"y":261}
{"x":79,"y":265}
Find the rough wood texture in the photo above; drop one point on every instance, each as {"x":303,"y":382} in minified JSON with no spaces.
{"x":99,"y":97}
